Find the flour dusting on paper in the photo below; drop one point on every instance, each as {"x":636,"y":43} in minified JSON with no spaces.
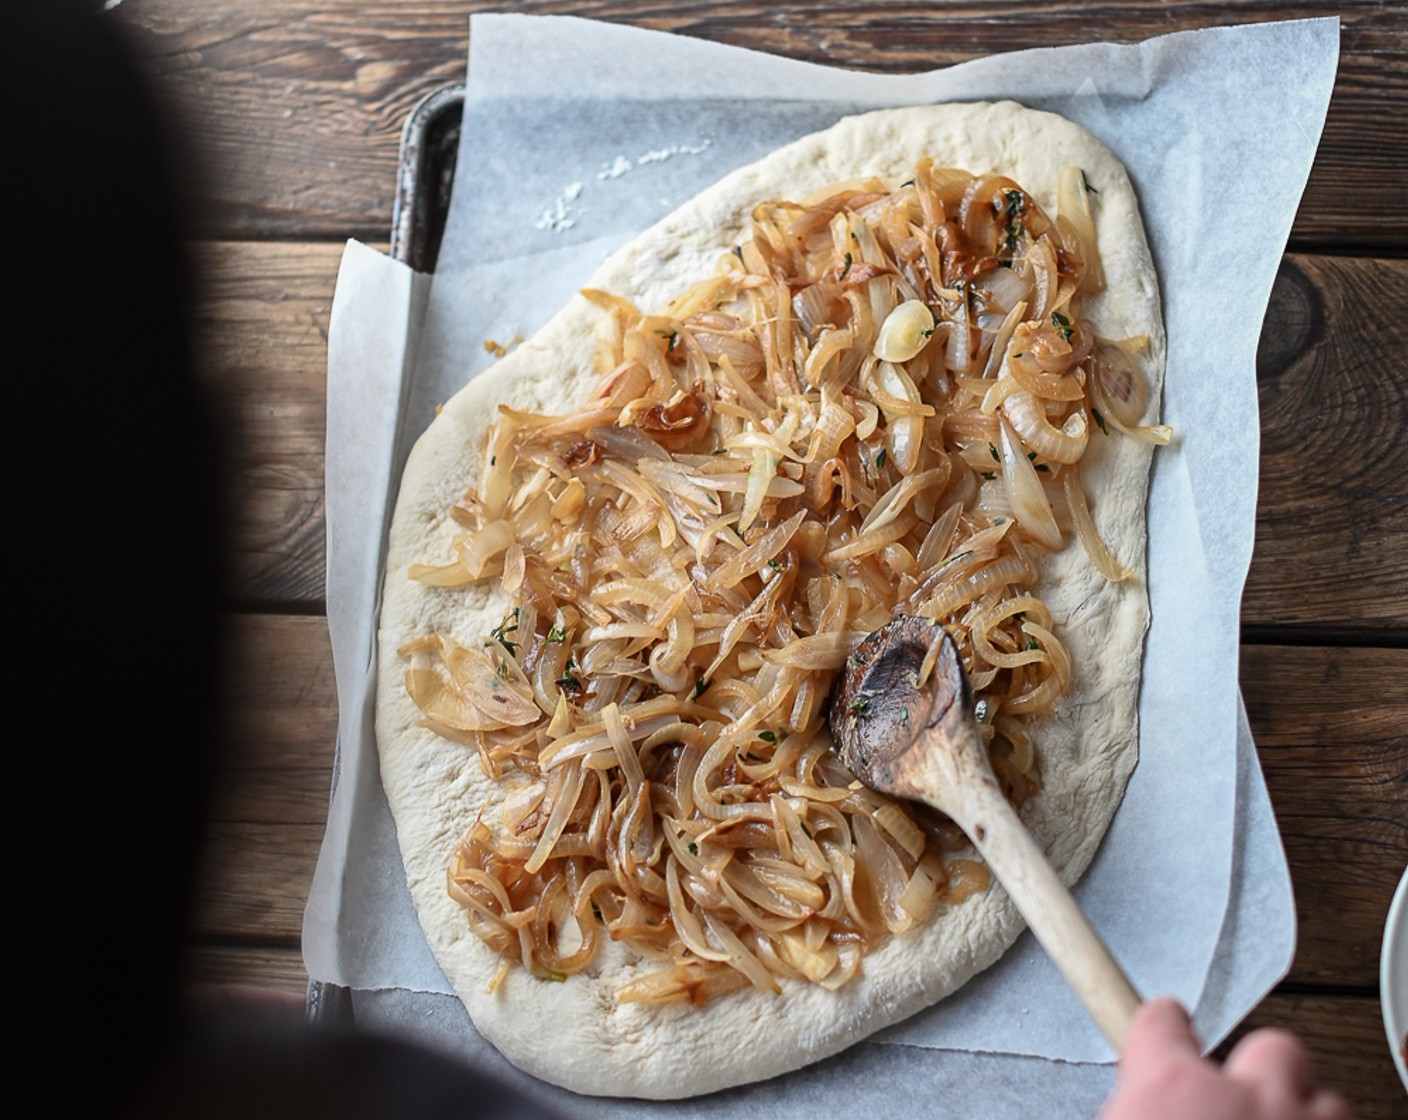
{"x":620,"y":165}
{"x":660,"y":155}
{"x":615,"y":169}
{"x":559,"y":215}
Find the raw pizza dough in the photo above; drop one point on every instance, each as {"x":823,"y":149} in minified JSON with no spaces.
{"x":574,"y":1033}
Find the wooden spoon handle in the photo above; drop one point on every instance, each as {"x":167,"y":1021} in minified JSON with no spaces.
{"x":1058,"y":923}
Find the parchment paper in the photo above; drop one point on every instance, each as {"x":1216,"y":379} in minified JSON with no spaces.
{"x":562,"y":162}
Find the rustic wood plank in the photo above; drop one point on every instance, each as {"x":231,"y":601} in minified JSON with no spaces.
{"x":1332,"y":544}
{"x":254,"y":882}
{"x":280,"y":700}
{"x":275,"y":796}
{"x":1345,"y":1037}
{"x":279,"y":970}
{"x":263,"y":328}
{"x":1328,"y":725}
{"x":1332,"y":513}
{"x":269,"y":802}
{"x":298,"y":104}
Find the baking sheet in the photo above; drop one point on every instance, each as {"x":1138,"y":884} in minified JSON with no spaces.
{"x":1197,"y":118}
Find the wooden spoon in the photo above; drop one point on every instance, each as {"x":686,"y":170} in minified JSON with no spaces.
{"x":922,"y":742}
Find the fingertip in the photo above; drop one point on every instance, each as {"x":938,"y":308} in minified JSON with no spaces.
{"x":1275,"y":1056}
{"x":1164,"y":1008}
{"x":1328,"y":1106}
{"x":1162,"y":1025}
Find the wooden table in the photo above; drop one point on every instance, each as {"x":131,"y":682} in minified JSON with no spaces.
{"x":299,"y":104}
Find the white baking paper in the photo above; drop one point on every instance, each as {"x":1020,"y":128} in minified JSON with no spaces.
{"x":562,"y":162}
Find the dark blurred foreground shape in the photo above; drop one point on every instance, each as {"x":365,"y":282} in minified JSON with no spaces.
{"x":115,"y":586}
{"x":116,"y":560}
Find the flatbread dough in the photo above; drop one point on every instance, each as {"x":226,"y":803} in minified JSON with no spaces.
{"x":574,"y":1033}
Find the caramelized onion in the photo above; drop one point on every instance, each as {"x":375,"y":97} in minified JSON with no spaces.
{"x":1025,"y":494}
{"x":1078,"y":225}
{"x":1027,"y":417}
{"x":1121,"y":383}
{"x":774,"y":464}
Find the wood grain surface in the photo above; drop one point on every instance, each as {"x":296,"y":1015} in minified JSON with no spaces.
{"x":1328,"y":724}
{"x":1346,"y":1035}
{"x":296,"y":108}
{"x":301,"y":102}
{"x":1332,"y":513}
{"x":263,"y":330}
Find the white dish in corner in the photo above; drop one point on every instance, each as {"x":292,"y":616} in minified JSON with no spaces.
{"x":1393,"y":977}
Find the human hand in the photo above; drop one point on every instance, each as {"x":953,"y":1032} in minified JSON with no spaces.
{"x":1164,"y":1076}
